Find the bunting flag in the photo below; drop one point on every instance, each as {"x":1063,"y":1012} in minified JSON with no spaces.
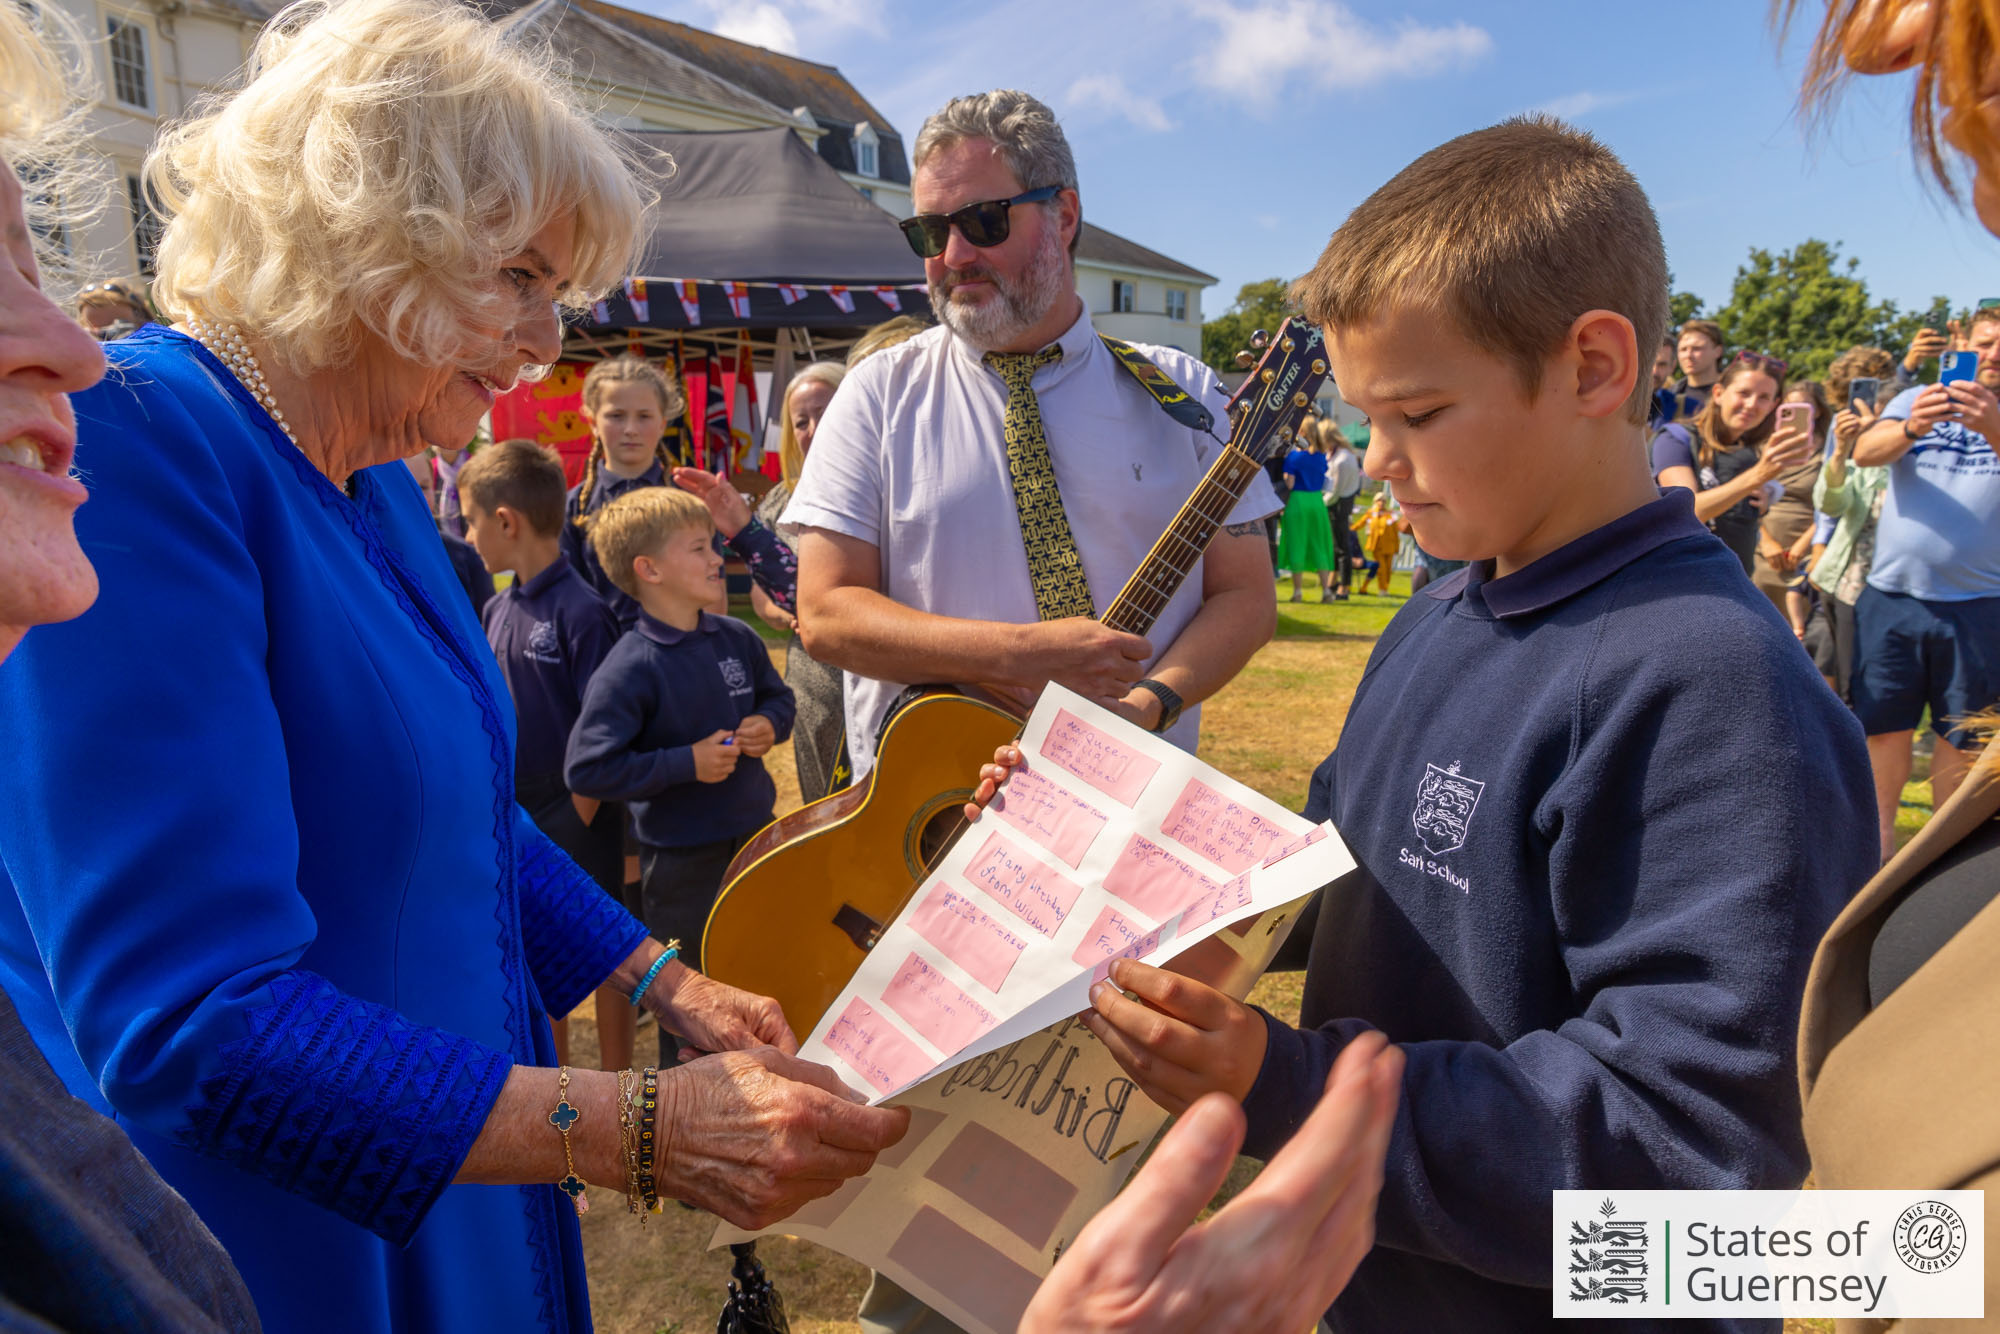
{"x":889,"y":298}
{"x":690,"y":293}
{"x":634,"y":304}
{"x":791,"y":293}
{"x":601,"y":312}
{"x":739,"y":300}
{"x":635,"y":293}
{"x":842,"y":298}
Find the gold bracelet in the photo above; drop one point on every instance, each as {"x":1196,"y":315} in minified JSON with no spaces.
{"x":562,"y":1118}
{"x":628,"y":1138}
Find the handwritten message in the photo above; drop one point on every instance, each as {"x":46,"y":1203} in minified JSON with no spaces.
{"x":1116,"y":936}
{"x":1224,"y":831}
{"x":1218,"y":900}
{"x":932,"y":1004}
{"x":1098,"y":758}
{"x":1063,"y":824}
{"x":1153,"y":880}
{"x":969,"y":938}
{"x":1296,"y":845}
{"x":873,"y":1049}
{"x":1035,"y":893}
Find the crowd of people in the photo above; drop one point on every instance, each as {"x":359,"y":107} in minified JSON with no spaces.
{"x":290,"y":901}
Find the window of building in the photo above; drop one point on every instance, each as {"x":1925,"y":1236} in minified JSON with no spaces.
{"x":1124,"y":296}
{"x":145,"y":224}
{"x":867,"y":157}
{"x":1176,"y":303}
{"x":126,"y":48}
{"x":867,"y":194}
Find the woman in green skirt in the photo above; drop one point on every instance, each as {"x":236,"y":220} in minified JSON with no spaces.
{"x":1305,"y":534}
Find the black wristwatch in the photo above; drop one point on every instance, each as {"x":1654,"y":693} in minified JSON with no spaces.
{"x":1170,"y":703}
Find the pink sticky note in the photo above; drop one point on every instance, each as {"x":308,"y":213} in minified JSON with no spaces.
{"x":1034,"y":892}
{"x":1220,"y":829}
{"x":1098,"y":758}
{"x":932,"y":1004}
{"x":1220,"y":900}
{"x":1300,"y":844}
{"x":873,"y":1049}
{"x":1153,"y":880}
{"x":1116,"y":936}
{"x":968,"y":937}
{"x":1064,"y":824}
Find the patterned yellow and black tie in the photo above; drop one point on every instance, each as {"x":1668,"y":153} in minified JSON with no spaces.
{"x":1054,"y":567}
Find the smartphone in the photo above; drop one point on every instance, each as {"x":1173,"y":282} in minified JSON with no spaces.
{"x":1958,"y":366}
{"x":1798,"y":415}
{"x":1864,"y":390}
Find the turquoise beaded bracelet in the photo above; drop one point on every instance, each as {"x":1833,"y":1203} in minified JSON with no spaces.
{"x":638,"y":992}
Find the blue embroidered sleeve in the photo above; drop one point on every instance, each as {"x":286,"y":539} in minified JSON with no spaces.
{"x":346,"y":1103}
{"x":573,"y":932}
{"x":772,"y":563}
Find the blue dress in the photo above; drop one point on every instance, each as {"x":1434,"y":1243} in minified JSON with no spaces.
{"x":273,"y":904}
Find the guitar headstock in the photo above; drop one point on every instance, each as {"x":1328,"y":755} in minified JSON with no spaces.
{"x":1283,"y":382}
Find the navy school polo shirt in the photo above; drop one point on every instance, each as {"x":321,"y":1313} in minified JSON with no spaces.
{"x":550,"y":635}
{"x":1603,"y":810}
{"x":659,"y":691}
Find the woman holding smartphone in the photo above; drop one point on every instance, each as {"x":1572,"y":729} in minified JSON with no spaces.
{"x":1785,"y":535}
{"x":1729,"y":452}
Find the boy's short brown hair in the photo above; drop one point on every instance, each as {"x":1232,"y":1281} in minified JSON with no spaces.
{"x":1511,"y":232}
{"x":1708,"y":329}
{"x":639,"y":523}
{"x":521,"y":475}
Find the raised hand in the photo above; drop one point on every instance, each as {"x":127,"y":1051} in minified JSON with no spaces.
{"x":1272,"y":1259}
{"x":753,"y":1135}
{"x":725,"y":504}
{"x":1975,"y":406}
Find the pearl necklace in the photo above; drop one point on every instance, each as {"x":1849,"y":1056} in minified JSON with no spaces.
{"x":229,"y":348}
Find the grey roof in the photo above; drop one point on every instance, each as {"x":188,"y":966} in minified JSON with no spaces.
{"x":1110,"y":248}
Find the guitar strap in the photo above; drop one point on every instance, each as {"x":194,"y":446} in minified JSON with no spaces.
{"x":1175,"y":401}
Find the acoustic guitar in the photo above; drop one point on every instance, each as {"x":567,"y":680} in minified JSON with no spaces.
{"x":808,"y":896}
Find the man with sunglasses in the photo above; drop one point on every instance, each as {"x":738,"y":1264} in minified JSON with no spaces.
{"x":979,"y":493}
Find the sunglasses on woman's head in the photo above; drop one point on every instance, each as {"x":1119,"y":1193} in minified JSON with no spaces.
{"x":1757,"y":361}
{"x":984,"y":225}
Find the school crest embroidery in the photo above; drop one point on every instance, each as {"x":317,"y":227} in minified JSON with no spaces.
{"x":1445,"y":802}
{"x":543,"y":646}
{"x":734,"y":675}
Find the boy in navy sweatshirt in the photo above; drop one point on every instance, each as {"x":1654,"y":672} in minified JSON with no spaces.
{"x":676,"y":720}
{"x":1602,"y":806}
{"x":550,"y":632}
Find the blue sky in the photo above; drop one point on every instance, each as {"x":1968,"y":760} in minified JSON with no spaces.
{"x":1235,"y":135}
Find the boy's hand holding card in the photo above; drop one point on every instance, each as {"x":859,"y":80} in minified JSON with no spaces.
{"x":1180,"y":1037}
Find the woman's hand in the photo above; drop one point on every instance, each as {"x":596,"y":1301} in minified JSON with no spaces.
{"x":1180,"y":1038}
{"x":1788,"y":447}
{"x":1849,"y":423}
{"x":725,"y":506}
{"x":714,"y":1016}
{"x":754,"y":1135}
{"x":1273,"y":1258}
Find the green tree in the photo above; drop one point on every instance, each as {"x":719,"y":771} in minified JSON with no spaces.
{"x":1258,"y":305}
{"x":1808,"y":304}
{"x":1684,"y":306}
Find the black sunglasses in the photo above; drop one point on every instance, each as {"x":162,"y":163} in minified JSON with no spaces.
{"x":983,"y":225}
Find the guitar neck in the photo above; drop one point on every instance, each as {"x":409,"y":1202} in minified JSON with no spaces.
{"x":1167,"y":566}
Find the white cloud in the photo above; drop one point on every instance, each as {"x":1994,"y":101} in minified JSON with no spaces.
{"x":1262,"y":45}
{"x":1108,"y":93}
{"x":1575,"y":106}
{"x":760,"y":25}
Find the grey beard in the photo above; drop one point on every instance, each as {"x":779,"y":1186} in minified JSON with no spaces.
{"x":1022,"y":302}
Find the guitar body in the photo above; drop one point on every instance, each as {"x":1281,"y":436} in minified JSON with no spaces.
{"x":800,"y":893}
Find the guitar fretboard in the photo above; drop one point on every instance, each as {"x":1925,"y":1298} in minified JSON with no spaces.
{"x":1167,"y":566}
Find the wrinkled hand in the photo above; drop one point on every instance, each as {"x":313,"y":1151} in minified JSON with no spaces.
{"x":1086,"y":656}
{"x":725,"y":505}
{"x":1974,"y":405}
{"x":714,"y":1016}
{"x":755,"y":735}
{"x":753,"y":1135}
{"x":1180,"y":1039}
{"x":1272,"y":1259}
{"x":715,"y":757}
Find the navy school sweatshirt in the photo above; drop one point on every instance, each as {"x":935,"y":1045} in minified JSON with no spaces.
{"x":658,"y":692}
{"x":1603,"y":809}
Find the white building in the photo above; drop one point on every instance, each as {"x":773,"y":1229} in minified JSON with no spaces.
{"x":1139,"y":294}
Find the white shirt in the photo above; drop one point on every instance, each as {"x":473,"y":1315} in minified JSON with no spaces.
{"x":911,"y":458}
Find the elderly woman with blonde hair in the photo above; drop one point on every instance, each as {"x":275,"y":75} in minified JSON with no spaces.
{"x":268,"y":897}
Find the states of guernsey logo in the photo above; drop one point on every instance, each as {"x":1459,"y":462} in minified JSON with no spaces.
{"x":1445,"y":802}
{"x":1609,"y":1258}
